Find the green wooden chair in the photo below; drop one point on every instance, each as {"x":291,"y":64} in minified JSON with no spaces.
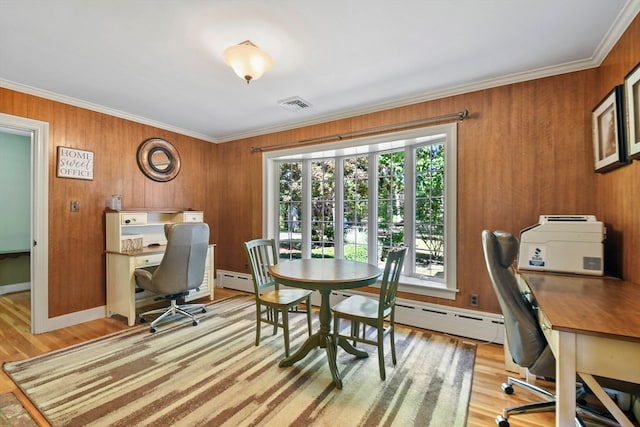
{"x":271,"y":301}
{"x":378,"y":313}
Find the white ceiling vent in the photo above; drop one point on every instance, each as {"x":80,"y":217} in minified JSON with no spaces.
{"x":294,"y":104}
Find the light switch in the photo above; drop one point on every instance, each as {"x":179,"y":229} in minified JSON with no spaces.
{"x":75,"y":206}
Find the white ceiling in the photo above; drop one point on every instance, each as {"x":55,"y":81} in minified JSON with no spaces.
{"x":160,"y":61}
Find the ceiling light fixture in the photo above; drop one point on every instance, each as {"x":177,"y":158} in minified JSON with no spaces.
{"x":247,"y":60}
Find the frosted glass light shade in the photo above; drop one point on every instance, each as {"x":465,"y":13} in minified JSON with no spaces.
{"x":247,"y":60}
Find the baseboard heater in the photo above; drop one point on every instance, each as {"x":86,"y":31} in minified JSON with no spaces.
{"x":232,"y":280}
{"x":449,"y":320}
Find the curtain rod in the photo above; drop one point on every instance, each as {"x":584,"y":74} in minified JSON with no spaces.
{"x":460,"y":115}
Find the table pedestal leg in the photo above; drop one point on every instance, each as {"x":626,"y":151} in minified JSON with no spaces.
{"x":333,"y":364}
{"x":312,"y":342}
{"x":346,"y":345}
{"x":324,"y":339}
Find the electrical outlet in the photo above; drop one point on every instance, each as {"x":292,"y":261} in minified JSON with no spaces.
{"x":473,"y":300}
{"x":75,"y":206}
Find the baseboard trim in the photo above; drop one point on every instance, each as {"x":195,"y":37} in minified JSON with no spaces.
{"x":474,"y":324}
{"x":15,"y":287}
{"x":75,"y":318}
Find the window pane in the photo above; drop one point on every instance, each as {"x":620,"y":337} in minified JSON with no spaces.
{"x":430,"y":207}
{"x":323,"y":186}
{"x":290,"y":210}
{"x":390,"y":203}
{"x":356,"y":206}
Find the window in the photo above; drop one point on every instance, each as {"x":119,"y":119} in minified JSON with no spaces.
{"x":358,"y":199}
{"x":323,"y":207}
{"x":355,"y":210}
{"x":290,"y":208}
{"x":390,"y":202}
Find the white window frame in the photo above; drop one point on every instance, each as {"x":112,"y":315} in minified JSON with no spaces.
{"x":391,"y":141}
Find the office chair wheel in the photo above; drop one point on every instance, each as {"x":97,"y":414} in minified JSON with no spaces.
{"x":502,"y":421}
{"x":507,"y":388}
{"x":204,"y":310}
{"x":195,"y":323}
{"x":142,"y":319}
{"x":152,"y":329}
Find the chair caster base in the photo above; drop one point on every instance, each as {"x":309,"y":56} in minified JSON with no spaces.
{"x":502,"y":421}
{"x":152,"y":329}
{"x":507,"y":388}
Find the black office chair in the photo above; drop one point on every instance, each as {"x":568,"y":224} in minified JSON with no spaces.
{"x":527,"y":343}
{"x":180,"y":271}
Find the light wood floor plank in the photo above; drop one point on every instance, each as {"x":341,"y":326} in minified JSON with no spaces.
{"x":487,"y":398}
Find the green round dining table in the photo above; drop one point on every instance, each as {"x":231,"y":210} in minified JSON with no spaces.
{"x":325,"y":275}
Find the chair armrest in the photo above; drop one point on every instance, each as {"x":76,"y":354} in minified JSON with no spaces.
{"x":143,"y":277}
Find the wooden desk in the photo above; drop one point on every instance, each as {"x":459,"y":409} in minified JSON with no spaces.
{"x":123,"y":295}
{"x":593,"y":327}
{"x":135,"y":238}
{"x":325,"y":275}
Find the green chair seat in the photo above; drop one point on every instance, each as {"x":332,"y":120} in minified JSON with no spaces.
{"x":377,"y":313}
{"x":272,"y":301}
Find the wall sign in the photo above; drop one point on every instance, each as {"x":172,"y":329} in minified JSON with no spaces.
{"x":77,"y":164}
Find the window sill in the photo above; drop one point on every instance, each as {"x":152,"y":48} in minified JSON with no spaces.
{"x":425,"y":287}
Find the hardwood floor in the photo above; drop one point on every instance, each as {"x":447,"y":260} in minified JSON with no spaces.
{"x":487,"y":399}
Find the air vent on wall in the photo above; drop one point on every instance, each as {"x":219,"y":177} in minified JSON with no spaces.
{"x":294,"y":104}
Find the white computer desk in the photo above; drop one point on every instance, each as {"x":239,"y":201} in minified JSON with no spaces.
{"x":593,"y":327}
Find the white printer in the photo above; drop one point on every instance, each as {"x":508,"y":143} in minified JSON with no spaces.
{"x":563,"y":243}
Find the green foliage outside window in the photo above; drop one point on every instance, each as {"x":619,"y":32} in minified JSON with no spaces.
{"x":429,"y":205}
{"x":430,"y":202}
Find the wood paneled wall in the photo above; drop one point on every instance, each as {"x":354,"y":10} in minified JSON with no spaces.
{"x":77,"y":239}
{"x":618,"y":203}
{"x":525,"y":150}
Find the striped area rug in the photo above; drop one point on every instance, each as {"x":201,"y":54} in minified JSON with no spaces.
{"x":214,"y":375}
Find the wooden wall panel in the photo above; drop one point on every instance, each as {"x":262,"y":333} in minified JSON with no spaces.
{"x":76,"y":239}
{"x":239,"y":195}
{"x":212,"y":195}
{"x":617,"y":191}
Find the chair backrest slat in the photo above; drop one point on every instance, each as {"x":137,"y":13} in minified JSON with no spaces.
{"x":262,"y":254}
{"x":390,"y":279}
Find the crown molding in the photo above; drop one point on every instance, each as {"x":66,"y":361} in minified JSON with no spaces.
{"x":620,"y":24}
{"x":428,"y":96}
{"x":52,"y":96}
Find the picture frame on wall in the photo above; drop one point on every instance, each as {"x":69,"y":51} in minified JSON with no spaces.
{"x":609,"y":130}
{"x":632,"y":104}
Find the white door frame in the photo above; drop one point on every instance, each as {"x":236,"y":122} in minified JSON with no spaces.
{"x":39,"y":217}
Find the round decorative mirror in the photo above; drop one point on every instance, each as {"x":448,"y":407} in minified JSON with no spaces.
{"x":158,"y":159}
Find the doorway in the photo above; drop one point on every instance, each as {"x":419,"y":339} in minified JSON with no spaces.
{"x":15,"y":191}
{"x":39,"y":214}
